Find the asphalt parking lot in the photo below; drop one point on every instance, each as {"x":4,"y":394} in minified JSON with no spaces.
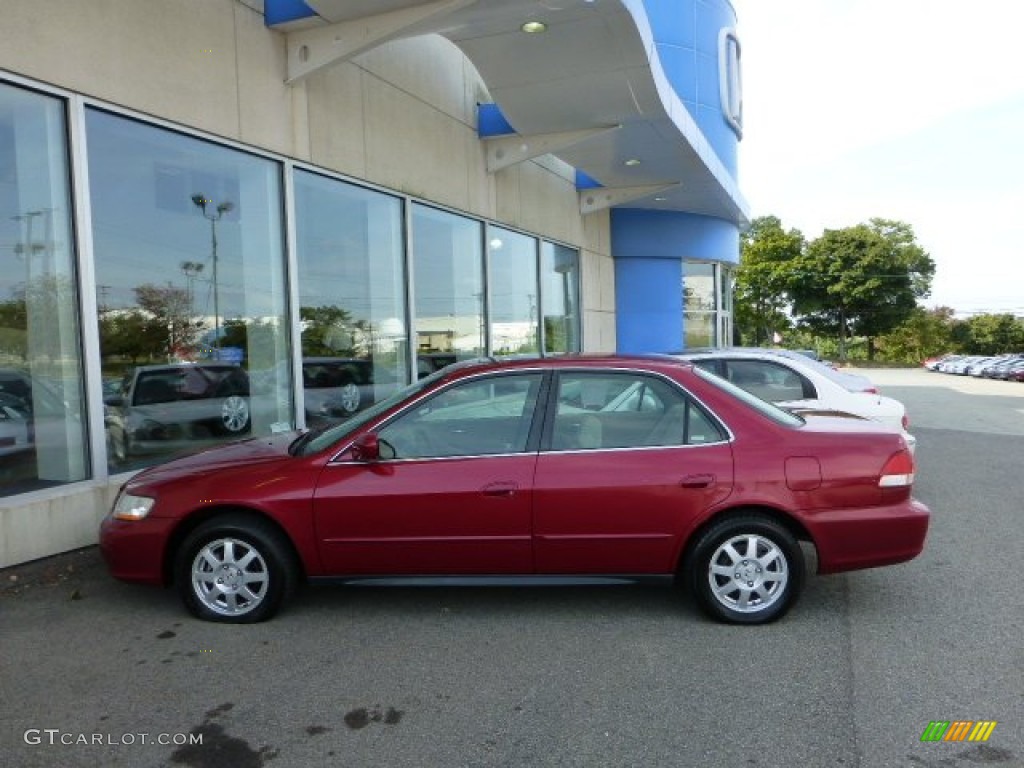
{"x":98,"y":673}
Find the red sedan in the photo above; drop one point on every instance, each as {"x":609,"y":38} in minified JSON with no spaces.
{"x":579,"y":468}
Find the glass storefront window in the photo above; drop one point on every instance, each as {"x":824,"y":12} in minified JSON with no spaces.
{"x":43,"y":434}
{"x":351,"y":296}
{"x":513,"y":280}
{"x":448,"y":286}
{"x":707,"y":302}
{"x":560,"y":291}
{"x":190,"y":284}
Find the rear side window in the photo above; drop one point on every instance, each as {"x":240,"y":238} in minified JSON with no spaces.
{"x":626,"y":410}
{"x":769,"y":381}
{"x":773,"y":412}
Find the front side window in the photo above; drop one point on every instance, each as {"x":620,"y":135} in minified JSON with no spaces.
{"x":621,"y":410}
{"x":477,"y":418}
{"x":351,"y":296}
{"x":190,"y":290}
{"x":449,"y":288}
{"x":42,"y":424}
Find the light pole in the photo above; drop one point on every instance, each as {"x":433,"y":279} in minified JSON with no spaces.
{"x":201,"y":202}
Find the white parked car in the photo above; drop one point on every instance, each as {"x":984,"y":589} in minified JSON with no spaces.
{"x":802,"y":385}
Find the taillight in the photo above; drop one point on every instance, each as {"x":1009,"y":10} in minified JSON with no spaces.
{"x":898,"y":471}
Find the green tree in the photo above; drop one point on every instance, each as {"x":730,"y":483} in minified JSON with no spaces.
{"x":767,"y":253}
{"x":862,"y":280}
{"x":327,"y":330}
{"x":171,"y":308}
{"x":132,"y":334}
{"x":927,"y":332}
{"x":995,"y":334}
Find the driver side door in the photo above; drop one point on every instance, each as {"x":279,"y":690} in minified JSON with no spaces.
{"x":456,"y":498}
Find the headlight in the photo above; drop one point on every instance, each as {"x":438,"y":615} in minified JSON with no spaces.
{"x":128,"y":507}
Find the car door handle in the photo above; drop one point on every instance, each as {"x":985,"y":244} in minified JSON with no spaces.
{"x":697,"y":481}
{"x":500,"y":489}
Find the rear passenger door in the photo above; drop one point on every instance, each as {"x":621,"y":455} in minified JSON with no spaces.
{"x":628,"y":462}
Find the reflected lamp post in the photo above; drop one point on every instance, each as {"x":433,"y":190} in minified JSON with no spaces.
{"x":213,"y":216}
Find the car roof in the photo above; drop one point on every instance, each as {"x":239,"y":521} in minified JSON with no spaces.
{"x":645,"y":362}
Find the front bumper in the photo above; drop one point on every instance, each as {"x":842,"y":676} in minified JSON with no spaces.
{"x":134,"y":549}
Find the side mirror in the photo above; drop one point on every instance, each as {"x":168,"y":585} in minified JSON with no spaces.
{"x":366,"y":447}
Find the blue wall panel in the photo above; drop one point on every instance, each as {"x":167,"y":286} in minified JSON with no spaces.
{"x":646,"y":234}
{"x":283,"y":11}
{"x":649,"y":311}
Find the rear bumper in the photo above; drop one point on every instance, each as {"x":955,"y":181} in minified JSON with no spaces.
{"x":852,"y":539}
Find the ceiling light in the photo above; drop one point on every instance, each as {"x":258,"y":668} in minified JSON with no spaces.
{"x":534,"y":27}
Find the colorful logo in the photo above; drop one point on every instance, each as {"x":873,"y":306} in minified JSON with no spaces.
{"x":958,"y":730}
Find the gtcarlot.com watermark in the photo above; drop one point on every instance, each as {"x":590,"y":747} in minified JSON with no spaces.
{"x":55,"y":737}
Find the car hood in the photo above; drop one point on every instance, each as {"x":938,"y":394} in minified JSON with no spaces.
{"x":250,"y":454}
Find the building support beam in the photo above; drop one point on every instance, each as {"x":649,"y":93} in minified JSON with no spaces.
{"x":504,"y":151}
{"x":593,"y":200}
{"x":312,"y":49}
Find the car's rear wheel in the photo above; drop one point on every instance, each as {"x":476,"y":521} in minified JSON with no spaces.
{"x":746,"y":570}
{"x":235,"y":569}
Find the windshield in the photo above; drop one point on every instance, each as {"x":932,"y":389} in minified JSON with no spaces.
{"x":770,"y":410}
{"x":319,"y":439}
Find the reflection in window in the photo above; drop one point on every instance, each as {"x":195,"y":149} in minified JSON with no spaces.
{"x":351,"y":296}
{"x":449,"y":288}
{"x":513,"y":280}
{"x":560,"y":286}
{"x":42,"y":428}
{"x":190,"y":274}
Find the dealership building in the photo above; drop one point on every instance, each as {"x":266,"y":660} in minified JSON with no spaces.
{"x":222,"y":218}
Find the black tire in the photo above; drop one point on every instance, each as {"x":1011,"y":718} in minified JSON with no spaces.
{"x":235,"y":569}
{"x":746,"y":570}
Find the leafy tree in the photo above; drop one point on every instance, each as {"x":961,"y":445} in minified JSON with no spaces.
{"x":132,"y":334}
{"x":925,"y":333}
{"x":170,"y":307}
{"x":995,"y":334}
{"x":767,"y":253}
{"x":326,"y":330}
{"x":862,"y":280}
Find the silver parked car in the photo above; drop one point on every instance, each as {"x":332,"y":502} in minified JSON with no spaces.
{"x":162,"y":408}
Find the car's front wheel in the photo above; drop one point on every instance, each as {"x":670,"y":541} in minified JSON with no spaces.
{"x":234,"y":414}
{"x":235,"y":569}
{"x":349,"y":398}
{"x":746,"y":570}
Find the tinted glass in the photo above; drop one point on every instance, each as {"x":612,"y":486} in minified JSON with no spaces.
{"x":190,"y":276}
{"x":449,"y":287}
{"x":480,"y":417}
{"x":513,"y":279}
{"x":351,"y":296}
{"x":622,"y":410}
{"x":560,"y":291}
{"x":42,"y":425}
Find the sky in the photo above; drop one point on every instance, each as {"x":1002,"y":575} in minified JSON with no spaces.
{"x":900,"y":109}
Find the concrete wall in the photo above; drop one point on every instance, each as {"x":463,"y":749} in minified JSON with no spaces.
{"x":402,"y":116}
